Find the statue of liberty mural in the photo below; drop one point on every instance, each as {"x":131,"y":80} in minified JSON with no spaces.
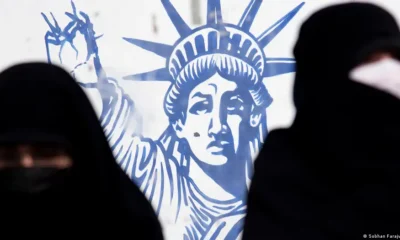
{"x":196,"y":174}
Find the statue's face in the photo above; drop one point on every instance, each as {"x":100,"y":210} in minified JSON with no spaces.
{"x":213,"y":116}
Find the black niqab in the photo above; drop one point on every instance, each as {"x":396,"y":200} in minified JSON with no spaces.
{"x":335,"y":173}
{"x":42,"y":103}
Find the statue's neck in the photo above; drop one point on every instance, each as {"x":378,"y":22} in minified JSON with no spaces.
{"x":206,"y":184}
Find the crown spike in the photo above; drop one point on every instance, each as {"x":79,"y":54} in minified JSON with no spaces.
{"x":180,"y":25}
{"x":160,"y":49}
{"x":249,"y":14}
{"x":278,"y":68}
{"x":214,"y":14}
{"x":161,"y":75}
{"x":268,"y":35}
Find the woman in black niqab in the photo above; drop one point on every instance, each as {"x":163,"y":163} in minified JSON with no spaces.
{"x":44,"y":108}
{"x":334,"y":174}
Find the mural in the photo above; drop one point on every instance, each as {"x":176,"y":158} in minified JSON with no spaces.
{"x":198,"y":171}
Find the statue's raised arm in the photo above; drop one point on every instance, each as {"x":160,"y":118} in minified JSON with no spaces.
{"x":75,"y":48}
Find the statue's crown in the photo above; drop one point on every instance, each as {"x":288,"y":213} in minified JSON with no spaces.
{"x":224,"y":40}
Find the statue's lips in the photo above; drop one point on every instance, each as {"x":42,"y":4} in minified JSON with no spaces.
{"x":217,"y":146}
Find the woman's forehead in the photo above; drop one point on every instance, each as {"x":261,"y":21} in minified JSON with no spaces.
{"x":32,"y":146}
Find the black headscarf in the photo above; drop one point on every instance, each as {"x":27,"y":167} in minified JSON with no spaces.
{"x":43,"y":103}
{"x":335,"y":173}
{"x":336,"y":114}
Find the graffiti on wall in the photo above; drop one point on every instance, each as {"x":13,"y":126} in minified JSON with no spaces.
{"x":196,"y":174}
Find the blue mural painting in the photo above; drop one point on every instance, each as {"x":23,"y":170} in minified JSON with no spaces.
{"x":198,"y":171}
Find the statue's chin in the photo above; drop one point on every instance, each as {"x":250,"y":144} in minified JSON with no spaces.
{"x":215,"y":160}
